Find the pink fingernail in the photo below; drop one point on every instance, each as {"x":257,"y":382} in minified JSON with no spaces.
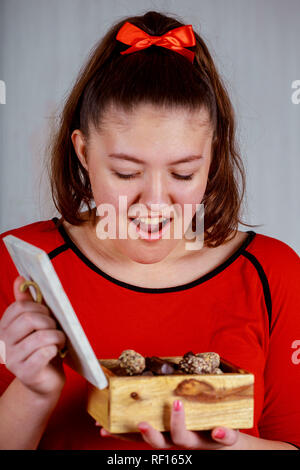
{"x":219,"y":434}
{"x":103,"y":432}
{"x":143,"y":428}
{"x":177,"y":405}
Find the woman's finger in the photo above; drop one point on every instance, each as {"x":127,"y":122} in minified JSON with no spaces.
{"x":34,"y":364}
{"x":19,"y":308}
{"x":148,"y":434}
{"x":226,"y":436}
{"x":39,"y":339}
{"x":27,"y":323}
{"x":134,"y":437}
{"x":154,"y":438}
{"x":181,"y":437}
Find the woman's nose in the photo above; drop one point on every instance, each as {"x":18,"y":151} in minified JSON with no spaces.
{"x":155,"y":194}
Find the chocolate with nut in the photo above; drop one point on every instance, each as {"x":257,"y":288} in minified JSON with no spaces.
{"x":133,"y":363}
{"x":211,"y":358}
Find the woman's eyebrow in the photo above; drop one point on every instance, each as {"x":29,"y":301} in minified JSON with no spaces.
{"x":123,"y":156}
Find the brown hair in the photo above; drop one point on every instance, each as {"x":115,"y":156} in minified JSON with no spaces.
{"x":161,"y":77}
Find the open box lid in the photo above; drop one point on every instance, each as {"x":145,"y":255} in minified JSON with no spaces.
{"x":34,"y":265}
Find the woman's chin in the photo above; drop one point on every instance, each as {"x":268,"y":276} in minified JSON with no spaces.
{"x":147,"y":252}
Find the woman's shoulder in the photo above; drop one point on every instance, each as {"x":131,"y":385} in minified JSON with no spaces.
{"x":273,"y":251}
{"x":42,"y":233}
{"x":276,"y":263}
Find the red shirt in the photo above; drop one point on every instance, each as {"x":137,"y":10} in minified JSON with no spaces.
{"x":247,"y":309}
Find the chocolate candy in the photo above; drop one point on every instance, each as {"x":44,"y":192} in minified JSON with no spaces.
{"x":117,"y":370}
{"x":201,"y":363}
{"x":147,"y":372}
{"x":192,"y":364}
{"x":132,"y":362}
{"x":159,"y":366}
{"x":212,"y":359}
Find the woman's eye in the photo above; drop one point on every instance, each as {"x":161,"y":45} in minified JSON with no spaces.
{"x":120,"y":175}
{"x":179,"y":177}
{"x":183,"y":177}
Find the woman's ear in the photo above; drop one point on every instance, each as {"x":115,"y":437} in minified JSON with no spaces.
{"x":79,"y":144}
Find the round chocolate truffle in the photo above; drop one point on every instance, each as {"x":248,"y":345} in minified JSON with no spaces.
{"x":192,"y":364}
{"x":132,"y":362}
{"x":211,"y":358}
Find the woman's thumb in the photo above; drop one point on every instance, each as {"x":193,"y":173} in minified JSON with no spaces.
{"x":17,"y":293}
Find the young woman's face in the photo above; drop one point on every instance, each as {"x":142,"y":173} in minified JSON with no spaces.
{"x":138,"y":155}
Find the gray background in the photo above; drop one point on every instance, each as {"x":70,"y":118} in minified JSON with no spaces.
{"x":255,"y":45}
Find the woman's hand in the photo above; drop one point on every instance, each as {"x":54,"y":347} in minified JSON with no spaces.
{"x":220,"y":438}
{"x":32,"y":341}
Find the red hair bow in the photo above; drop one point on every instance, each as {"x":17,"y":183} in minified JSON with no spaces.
{"x":175,"y":39}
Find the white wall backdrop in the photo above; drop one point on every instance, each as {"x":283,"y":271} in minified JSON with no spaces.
{"x":256,"y":48}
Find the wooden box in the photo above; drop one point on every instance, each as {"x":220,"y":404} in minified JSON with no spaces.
{"x":209,"y":400}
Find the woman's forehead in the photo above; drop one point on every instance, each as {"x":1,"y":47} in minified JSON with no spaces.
{"x":122,"y":120}
{"x":149,"y":133}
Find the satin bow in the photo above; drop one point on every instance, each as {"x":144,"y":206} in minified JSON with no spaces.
{"x":175,"y":39}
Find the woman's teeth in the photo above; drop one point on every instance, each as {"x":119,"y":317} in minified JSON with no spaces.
{"x":153,"y":224}
{"x":149,"y":221}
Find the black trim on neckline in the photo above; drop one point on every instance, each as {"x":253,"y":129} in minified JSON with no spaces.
{"x":58,"y":250}
{"x":265,"y":283}
{"x":151,"y":290}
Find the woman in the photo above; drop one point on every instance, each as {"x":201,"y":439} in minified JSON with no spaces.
{"x":149,"y":122}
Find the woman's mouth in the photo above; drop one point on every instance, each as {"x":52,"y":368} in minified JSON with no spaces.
{"x":151,"y":225}
{"x":150,"y":228}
